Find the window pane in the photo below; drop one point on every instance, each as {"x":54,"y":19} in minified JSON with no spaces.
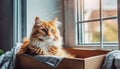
{"x":91,"y":9}
{"x":91,"y":32}
{"x":109,"y":8}
{"x":110,"y":30}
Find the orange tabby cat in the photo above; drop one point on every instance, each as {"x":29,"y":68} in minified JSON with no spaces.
{"x":45,"y":39}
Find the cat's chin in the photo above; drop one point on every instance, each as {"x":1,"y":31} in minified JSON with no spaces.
{"x":45,"y":40}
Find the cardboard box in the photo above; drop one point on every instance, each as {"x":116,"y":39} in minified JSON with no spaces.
{"x":88,"y":59}
{"x":85,"y":59}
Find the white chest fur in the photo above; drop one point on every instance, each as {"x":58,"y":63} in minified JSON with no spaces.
{"x":44,"y":45}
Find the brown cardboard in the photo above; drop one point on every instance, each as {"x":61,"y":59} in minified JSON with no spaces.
{"x":85,"y":59}
{"x":93,"y":62}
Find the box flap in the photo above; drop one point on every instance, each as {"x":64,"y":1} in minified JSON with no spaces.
{"x":94,"y":62}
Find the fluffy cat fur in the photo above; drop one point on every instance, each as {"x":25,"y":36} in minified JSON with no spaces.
{"x":45,"y":39}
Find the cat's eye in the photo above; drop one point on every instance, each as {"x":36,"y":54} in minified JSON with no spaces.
{"x":43,"y":30}
{"x":52,"y":30}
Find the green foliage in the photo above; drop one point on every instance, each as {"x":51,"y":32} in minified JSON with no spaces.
{"x":110,"y":34}
{"x":1,"y":52}
{"x":95,"y":36}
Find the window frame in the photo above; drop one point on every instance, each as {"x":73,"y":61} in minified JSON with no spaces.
{"x":70,"y":20}
{"x":70,"y":25}
{"x":19,"y":21}
{"x":119,"y":23}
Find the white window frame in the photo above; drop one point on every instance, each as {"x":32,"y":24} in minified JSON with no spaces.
{"x":70,"y":20}
{"x":19,"y":18}
{"x":70,"y":25}
{"x":119,"y":23}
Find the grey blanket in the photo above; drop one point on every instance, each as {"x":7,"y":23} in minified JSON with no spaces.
{"x":7,"y":60}
{"x":112,"y":60}
{"x":50,"y":60}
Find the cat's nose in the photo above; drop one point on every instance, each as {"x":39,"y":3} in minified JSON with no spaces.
{"x":48,"y":34}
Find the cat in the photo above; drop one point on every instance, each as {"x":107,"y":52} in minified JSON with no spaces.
{"x":45,"y":39}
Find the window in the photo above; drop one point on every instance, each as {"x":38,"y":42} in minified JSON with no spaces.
{"x":19,"y":18}
{"x":93,"y":23}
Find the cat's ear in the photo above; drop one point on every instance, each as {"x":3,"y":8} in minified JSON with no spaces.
{"x":56,"y":22}
{"x":37,"y":20}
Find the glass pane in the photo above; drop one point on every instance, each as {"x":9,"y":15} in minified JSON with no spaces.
{"x":110,"y":30}
{"x":91,"y":33}
{"x":109,"y":8}
{"x":91,"y":9}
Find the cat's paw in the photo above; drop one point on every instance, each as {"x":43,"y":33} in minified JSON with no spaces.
{"x":20,"y":52}
{"x":53,"y":50}
{"x":24,"y":46}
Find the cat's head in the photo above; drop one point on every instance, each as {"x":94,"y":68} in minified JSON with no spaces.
{"x":45,"y":31}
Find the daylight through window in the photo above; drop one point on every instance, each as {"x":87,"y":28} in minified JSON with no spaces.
{"x":97,"y":22}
